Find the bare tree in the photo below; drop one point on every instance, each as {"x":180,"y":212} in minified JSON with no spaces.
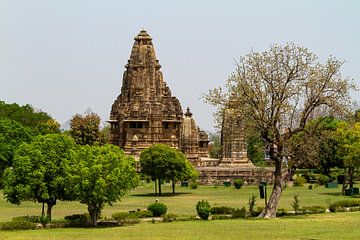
{"x":277,"y":92}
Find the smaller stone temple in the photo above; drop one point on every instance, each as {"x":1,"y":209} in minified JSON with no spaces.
{"x":146,"y":113}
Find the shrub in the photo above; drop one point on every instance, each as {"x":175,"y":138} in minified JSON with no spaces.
{"x":128,"y":221}
{"x":299,"y":181}
{"x":78,"y":220}
{"x":238,"y":183}
{"x":252,"y":203}
{"x":194,"y":185}
{"x":341,"y":206}
{"x":239,"y":213}
{"x":34,"y":219}
{"x":157,"y":209}
{"x":220,"y":217}
{"x":281,"y":212}
{"x":203,"y":209}
{"x":19,"y":224}
{"x":222,"y":210}
{"x":313,"y":210}
{"x":307,"y":177}
{"x":170,"y":217}
{"x":323,"y":179}
{"x":296,"y":204}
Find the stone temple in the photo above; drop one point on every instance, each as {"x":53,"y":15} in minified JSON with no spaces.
{"x":146,"y":113}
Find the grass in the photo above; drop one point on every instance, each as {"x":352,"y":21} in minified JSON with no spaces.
{"x":322,"y":226}
{"x":183,"y":202}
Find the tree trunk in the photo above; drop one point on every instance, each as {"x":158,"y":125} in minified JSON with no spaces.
{"x":159,"y":186}
{"x":351,"y":177}
{"x":50,"y":204}
{"x":94,"y":212}
{"x":43,"y":209}
{"x":279,"y":184}
{"x":155,"y":187}
{"x":173,"y":186}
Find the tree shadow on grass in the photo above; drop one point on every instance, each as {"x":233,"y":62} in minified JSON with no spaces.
{"x":332,"y":194}
{"x":166,"y":194}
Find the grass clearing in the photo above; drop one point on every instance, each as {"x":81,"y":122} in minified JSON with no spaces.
{"x":319,"y":226}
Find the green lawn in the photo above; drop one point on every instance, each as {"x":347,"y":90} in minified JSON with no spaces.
{"x":322,"y":226}
{"x":182,"y":203}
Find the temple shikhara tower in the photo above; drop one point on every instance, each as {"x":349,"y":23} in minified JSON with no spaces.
{"x":146,"y":113}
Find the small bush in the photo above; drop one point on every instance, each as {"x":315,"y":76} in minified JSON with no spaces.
{"x":257,"y":212}
{"x":19,"y":224}
{"x":252,"y":203}
{"x":220,"y":217}
{"x":323,"y":179}
{"x":313,"y":209}
{"x":78,"y":220}
{"x":128,"y":221}
{"x":296,"y":204}
{"x":194,"y":185}
{"x":222,"y":210}
{"x":299,"y":181}
{"x":281,"y":212}
{"x":203,"y":209}
{"x":239,"y":213}
{"x":238,"y":183}
{"x":170,"y":217}
{"x":307,"y":177}
{"x":174,"y":217}
{"x":157,"y":209}
{"x":340,"y":206}
{"x":34,"y":219}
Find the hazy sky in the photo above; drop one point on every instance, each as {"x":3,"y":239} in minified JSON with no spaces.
{"x":66,"y":56}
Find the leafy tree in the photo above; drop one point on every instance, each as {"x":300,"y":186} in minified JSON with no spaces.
{"x":39,"y":121}
{"x":100,"y":175}
{"x":165,"y":163}
{"x":12,"y":135}
{"x":38,"y":171}
{"x":84,"y":129}
{"x":276,"y":93}
{"x":215,"y":146}
{"x":255,"y":150}
{"x":348,"y":136}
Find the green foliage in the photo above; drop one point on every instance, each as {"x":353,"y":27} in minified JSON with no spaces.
{"x":215,"y":145}
{"x":85,"y":129}
{"x":299,"y":181}
{"x":203,"y":209}
{"x":322,"y":179}
{"x":313,"y":209}
{"x":135,"y":214}
{"x":222,"y":210}
{"x":238,"y":183}
{"x":340,"y":206}
{"x":38,"y":172}
{"x":255,"y":150}
{"x":12,"y":135}
{"x":163,"y":162}
{"x":170,"y":217}
{"x":194,"y":185}
{"x":157,"y":209}
{"x":34,"y":219}
{"x":239,"y":213}
{"x":296,"y":204}
{"x":19,"y":224}
{"x":77,"y":220}
{"x":40,"y":122}
{"x":252,"y":203}
{"x":100,"y":175}
{"x":281,"y":212}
